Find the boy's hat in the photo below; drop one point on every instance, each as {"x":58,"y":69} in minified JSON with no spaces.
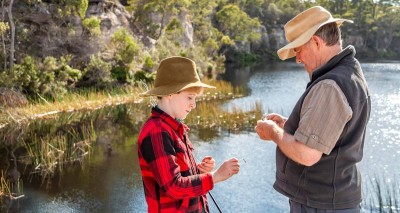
{"x":302,"y":27}
{"x":175,"y":74}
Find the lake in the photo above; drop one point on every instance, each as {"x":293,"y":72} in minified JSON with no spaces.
{"x":113,"y":183}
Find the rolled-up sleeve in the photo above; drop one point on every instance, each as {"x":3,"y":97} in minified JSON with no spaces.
{"x":324,"y":114}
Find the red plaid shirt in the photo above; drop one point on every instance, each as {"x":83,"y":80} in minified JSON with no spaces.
{"x":171,"y":180}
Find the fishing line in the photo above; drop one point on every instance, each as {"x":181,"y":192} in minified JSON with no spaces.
{"x":214,"y":202}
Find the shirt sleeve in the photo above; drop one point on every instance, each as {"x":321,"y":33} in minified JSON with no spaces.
{"x":324,"y":113}
{"x":159,"y":153}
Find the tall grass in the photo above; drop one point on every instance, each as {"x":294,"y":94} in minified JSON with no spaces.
{"x":210,"y":115}
{"x":383,"y":195}
{"x":10,"y":189}
{"x":87,"y":99}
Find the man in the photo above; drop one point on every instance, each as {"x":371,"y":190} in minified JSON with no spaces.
{"x":321,"y":142}
{"x":172,"y":180}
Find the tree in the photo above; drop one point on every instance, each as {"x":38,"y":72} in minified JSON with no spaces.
{"x":237,"y":24}
{"x":8,"y":10}
{"x":143,"y":10}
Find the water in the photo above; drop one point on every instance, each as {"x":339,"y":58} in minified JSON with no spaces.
{"x":113,"y":184}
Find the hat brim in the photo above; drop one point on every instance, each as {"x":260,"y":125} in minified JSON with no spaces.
{"x":287,"y":51}
{"x":172,"y":89}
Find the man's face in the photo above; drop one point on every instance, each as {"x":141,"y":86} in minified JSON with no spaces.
{"x":308,"y":54}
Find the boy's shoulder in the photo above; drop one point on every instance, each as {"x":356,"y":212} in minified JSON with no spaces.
{"x":154,"y":123}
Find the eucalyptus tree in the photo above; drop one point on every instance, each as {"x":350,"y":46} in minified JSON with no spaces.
{"x":3,"y":30}
{"x":9,"y":24}
{"x":387,"y":27}
{"x":238,"y":25}
{"x":153,"y":15}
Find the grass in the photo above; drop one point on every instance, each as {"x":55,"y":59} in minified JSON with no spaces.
{"x":10,"y":190}
{"x":83,"y":100}
{"x":210,"y":115}
{"x":383,"y":195}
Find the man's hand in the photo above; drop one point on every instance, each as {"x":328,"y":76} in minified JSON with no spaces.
{"x":267,"y":129}
{"x":278,"y":119}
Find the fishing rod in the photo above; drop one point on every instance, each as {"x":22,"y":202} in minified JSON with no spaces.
{"x":209,"y":192}
{"x":215,"y":202}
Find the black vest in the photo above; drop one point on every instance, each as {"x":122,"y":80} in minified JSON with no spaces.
{"x":333,"y":182}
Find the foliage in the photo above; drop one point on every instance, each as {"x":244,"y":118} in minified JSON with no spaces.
{"x":237,"y":24}
{"x":71,"y":7}
{"x":144,"y":76}
{"x":97,"y":73}
{"x":49,"y":78}
{"x":151,"y":14}
{"x":125,"y":46}
{"x":92,"y":25}
{"x":3,"y":27}
{"x":174,"y":24}
{"x":148,"y":63}
{"x":121,"y":74}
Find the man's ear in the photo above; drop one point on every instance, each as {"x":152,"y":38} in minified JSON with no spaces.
{"x":316,"y":40}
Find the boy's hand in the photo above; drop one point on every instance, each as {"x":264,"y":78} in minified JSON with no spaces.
{"x":206,"y":165}
{"x":226,"y":170}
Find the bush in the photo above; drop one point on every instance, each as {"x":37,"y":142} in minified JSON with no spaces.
{"x":97,"y":73}
{"x":148,"y":63}
{"x":144,"y":76}
{"x":92,"y":25}
{"x":121,"y":74}
{"x":125,"y":46}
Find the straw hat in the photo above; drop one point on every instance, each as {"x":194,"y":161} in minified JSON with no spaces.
{"x":175,"y":74}
{"x":302,"y":27}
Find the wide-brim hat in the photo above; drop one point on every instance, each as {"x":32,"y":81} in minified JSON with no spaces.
{"x":173,"y":75}
{"x":302,"y":27}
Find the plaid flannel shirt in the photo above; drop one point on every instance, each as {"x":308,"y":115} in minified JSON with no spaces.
{"x":171,"y":180}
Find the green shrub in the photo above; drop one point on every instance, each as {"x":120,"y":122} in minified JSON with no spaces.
{"x":174,"y":24}
{"x":144,"y":76}
{"x":97,"y":73}
{"x":121,"y":74}
{"x":125,"y":46}
{"x":148,"y":63}
{"x":92,"y":25}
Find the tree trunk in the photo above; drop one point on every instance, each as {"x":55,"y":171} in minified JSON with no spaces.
{"x":3,"y":39}
{"x":12,"y":28}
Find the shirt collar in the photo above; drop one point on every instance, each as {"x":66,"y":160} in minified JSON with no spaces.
{"x":179,"y":127}
{"x":349,"y":50}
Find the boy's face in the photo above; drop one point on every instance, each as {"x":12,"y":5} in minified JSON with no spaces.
{"x":182,"y":103}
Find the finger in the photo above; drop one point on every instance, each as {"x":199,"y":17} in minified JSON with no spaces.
{"x":210,"y":161}
{"x":202,"y":170}
{"x":207,"y":158}
{"x":260,"y":121}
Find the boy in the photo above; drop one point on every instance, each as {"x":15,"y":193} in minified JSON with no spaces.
{"x":172,"y":180}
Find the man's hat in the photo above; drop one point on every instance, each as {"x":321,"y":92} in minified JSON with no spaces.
{"x":175,"y":74}
{"x":302,"y":27}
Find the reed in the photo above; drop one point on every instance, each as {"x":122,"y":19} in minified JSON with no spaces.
{"x":210,"y":115}
{"x":50,"y":153}
{"x":384,"y":195}
{"x":78,"y":101}
{"x":10,"y":189}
